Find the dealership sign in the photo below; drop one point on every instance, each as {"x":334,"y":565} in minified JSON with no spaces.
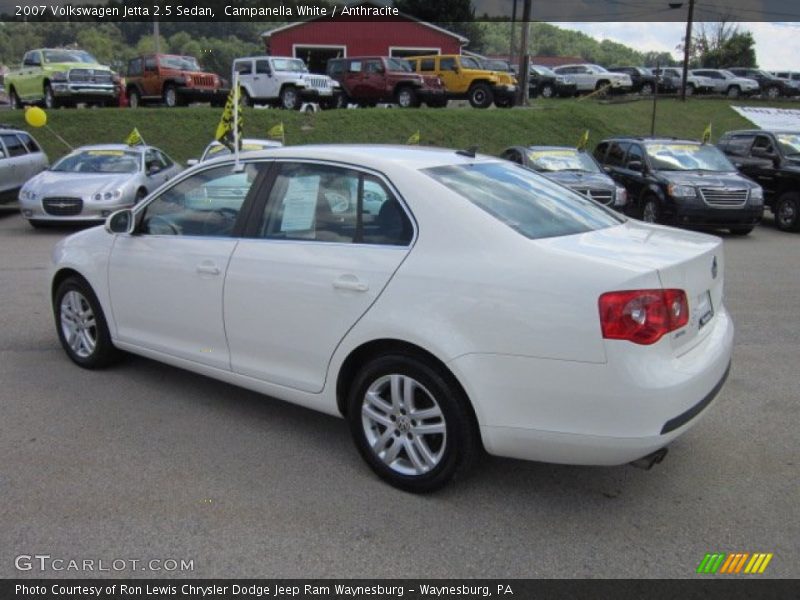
{"x":771,"y":118}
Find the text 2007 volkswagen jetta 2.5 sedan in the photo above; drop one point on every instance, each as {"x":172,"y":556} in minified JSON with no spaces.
{"x":440,"y":301}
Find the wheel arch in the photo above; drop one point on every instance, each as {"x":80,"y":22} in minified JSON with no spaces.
{"x":363,"y":353}
{"x":62,"y":275}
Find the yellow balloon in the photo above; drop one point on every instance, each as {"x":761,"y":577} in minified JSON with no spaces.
{"x":35,"y":116}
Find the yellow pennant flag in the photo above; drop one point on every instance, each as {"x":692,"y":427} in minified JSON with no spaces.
{"x":584,"y":141}
{"x":414,"y":139}
{"x":277,"y":132}
{"x":707,"y":134}
{"x":225,"y":128}
{"x":134,"y":138}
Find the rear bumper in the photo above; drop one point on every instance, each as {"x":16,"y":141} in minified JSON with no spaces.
{"x":595,"y":414}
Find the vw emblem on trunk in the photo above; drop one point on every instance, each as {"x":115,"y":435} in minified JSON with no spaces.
{"x":714,"y":268}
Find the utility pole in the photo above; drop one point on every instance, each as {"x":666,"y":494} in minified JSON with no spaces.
{"x":687,"y":48}
{"x":511,"y":53}
{"x":524,"y":57}
{"x":156,"y":36}
{"x":655,"y":99}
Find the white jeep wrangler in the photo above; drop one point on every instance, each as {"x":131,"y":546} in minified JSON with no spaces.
{"x":283,"y":81}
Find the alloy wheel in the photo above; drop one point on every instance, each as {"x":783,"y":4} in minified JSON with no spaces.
{"x":404,"y":98}
{"x":404,"y":424}
{"x":78,"y":324}
{"x":650,"y":212}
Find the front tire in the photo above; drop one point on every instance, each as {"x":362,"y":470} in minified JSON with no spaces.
{"x":290,"y":99}
{"x":787,"y":212}
{"x":411,"y":423}
{"x":651,"y":212}
{"x":13,"y":100}
{"x":406,"y":97}
{"x":81,"y":325}
{"x":480,"y":96}
{"x":547,"y":91}
{"x":134,"y":99}
{"x":170,"y":96}
{"x":734,"y":91}
{"x":49,"y":100}
{"x":773,"y":93}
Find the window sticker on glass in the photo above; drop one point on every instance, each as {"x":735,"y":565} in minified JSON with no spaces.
{"x":105,"y":153}
{"x":300,"y":203}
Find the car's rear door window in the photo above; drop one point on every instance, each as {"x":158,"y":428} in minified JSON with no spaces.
{"x":525,"y":201}
{"x":14,"y":146}
{"x":326,"y":203}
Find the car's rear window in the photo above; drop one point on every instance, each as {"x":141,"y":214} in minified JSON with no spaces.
{"x":523,"y":200}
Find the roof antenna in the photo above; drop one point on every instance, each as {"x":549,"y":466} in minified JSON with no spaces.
{"x":469,"y":152}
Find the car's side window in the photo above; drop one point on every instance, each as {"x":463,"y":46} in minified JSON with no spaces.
{"x":322,"y":203}
{"x":600,"y":152}
{"x":244,"y":67}
{"x":635,"y":154}
{"x":135,"y":67}
{"x":763,"y":144}
{"x":427,"y":64}
{"x":206,"y":204}
{"x":616,"y":154}
{"x":13,"y":145}
{"x":373,"y":66}
{"x":29,"y":143}
{"x":262,"y":67}
{"x":150,"y":64}
{"x":447,"y":64}
{"x":739,"y":145}
{"x":165,"y":160}
{"x":355,"y":66}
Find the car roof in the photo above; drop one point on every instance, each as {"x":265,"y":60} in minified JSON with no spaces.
{"x":10,"y":129}
{"x":372,"y":156}
{"x":661,"y":140}
{"x":272,"y":143}
{"x":139,"y":148}
{"x":546,"y":148}
{"x":757,"y":131}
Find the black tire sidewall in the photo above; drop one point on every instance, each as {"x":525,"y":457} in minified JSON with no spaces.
{"x":104,"y":352}
{"x":487,"y":91}
{"x":461,"y":436}
{"x":657,"y":209}
{"x":793,"y":198}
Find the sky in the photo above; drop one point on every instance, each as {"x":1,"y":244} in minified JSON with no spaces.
{"x":777,"y":44}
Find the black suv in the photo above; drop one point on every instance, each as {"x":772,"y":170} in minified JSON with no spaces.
{"x":769,"y":85}
{"x":548,"y":84}
{"x":644,"y":82}
{"x":682,"y":182}
{"x":772,"y":158}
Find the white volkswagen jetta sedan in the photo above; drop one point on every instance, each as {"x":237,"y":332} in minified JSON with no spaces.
{"x":481,"y":306}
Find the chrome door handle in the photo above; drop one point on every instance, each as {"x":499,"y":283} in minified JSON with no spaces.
{"x":207,"y":268}
{"x":350,"y":282}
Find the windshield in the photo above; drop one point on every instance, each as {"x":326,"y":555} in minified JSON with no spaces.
{"x":181,"y":63}
{"x":99,"y":161}
{"x":597,"y":69}
{"x":526,"y":202}
{"x":543,"y":71}
{"x":294,"y":65}
{"x":728,"y":75}
{"x":467,"y":62}
{"x":562,"y":159}
{"x":789,"y":143}
{"x":68,"y":56}
{"x":398,"y":64}
{"x":687,"y":157}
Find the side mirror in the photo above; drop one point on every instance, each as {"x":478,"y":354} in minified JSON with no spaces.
{"x":121,"y":221}
{"x":192,"y":162}
{"x":152,"y":169}
{"x":636,"y":165}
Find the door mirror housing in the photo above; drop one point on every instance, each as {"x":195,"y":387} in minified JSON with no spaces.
{"x":192,"y":162}
{"x":121,"y":221}
{"x":152,"y":169}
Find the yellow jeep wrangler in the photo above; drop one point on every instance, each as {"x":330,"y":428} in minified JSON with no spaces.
{"x":465,"y":78}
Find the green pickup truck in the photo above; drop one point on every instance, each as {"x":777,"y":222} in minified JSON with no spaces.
{"x":60,"y":77}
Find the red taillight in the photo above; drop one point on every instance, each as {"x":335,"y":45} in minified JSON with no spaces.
{"x":642,"y":316}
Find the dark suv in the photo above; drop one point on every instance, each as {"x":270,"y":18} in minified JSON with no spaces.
{"x":368,"y":80}
{"x":644,"y":82}
{"x":772,"y":158}
{"x":769,"y":85}
{"x":682,"y":182}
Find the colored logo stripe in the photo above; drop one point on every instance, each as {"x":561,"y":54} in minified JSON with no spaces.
{"x":721,"y":562}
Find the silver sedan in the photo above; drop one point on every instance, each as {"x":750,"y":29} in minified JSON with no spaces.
{"x":93,"y":181}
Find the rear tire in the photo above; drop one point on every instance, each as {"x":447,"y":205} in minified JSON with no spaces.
{"x":787,"y":212}
{"x":49,"y":99}
{"x":411,"y":423}
{"x":547,"y":91}
{"x":733,"y":91}
{"x":81,"y":325}
{"x":170,"y":96}
{"x":480,"y":96}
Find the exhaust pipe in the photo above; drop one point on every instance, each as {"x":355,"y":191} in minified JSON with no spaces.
{"x":647,"y":462}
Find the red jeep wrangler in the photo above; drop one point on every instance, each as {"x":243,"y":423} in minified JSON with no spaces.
{"x":174,"y":80}
{"x":368,"y":80}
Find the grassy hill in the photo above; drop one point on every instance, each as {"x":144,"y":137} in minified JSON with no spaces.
{"x":184,"y":132}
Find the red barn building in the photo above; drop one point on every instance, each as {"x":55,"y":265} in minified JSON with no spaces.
{"x":318,"y":39}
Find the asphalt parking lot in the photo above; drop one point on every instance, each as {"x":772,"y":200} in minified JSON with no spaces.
{"x":145,"y":461}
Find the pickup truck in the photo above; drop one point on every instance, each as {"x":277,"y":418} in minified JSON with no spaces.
{"x":172,"y":79}
{"x":57,"y":77}
{"x":367,"y":80}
